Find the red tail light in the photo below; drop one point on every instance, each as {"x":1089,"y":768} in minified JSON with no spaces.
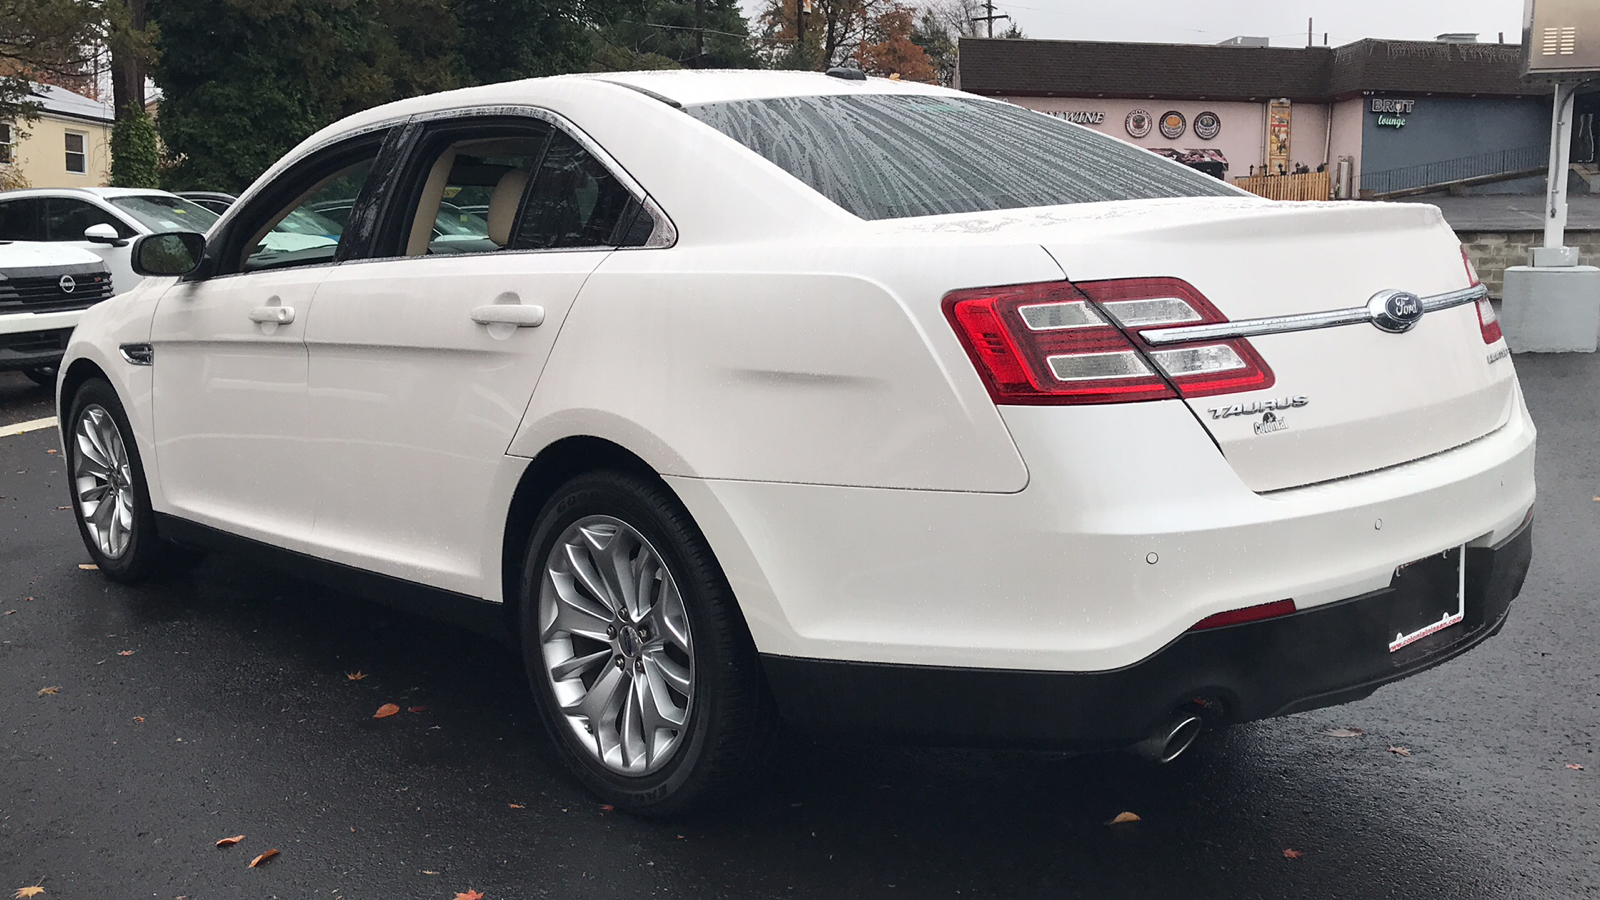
{"x":1249,"y":614}
{"x":1064,"y":343}
{"x":1488,"y":322}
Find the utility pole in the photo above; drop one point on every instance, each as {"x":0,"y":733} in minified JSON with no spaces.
{"x":699,"y":31}
{"x":988,"y":7}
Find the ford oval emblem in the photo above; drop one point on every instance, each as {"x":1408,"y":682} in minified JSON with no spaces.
{"x":1395,"y":311}
{"x":67,"y":284}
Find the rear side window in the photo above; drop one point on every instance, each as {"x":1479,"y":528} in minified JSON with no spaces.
{"x":574,"y":202}
{"x":22,"y":220}
{"x":889,"y":156}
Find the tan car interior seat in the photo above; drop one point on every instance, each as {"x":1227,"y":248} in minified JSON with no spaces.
{"x":503,"y":205}
{"x":428,"y":204}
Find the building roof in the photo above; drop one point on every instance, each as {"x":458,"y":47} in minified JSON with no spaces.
{"x":1014,"y":67}
{"x":61,"y":102}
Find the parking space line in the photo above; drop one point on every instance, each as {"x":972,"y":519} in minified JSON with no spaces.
{"x":22,"y":427}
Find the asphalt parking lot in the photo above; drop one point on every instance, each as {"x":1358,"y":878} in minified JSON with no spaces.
{"x":223,"y":704}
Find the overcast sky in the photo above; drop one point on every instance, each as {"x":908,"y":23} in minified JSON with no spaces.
{"x":1210,"y":21}
{"x":1200,"y":21}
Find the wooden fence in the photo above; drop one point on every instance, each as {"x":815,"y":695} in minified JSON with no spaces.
{"x":1310,"y":186}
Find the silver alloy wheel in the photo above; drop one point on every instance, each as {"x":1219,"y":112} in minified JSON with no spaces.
{"x":103,"y":480}
{"x":616,"y":645}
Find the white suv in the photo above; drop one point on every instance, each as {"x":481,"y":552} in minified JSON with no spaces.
{"x":101,"y":221}
{"x":878,"y":406}
{"x":44,"y":289}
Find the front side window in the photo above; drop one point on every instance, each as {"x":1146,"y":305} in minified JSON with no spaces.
{"x":66,"y":219}
{"x":6,"y":142}
{"x":292,"y":232}
{"x":888,"y":156}
{"x":160,"y":212}
{"x":77,"y":152}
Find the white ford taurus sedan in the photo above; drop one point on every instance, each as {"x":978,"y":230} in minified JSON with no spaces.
{"x":871,"y":407}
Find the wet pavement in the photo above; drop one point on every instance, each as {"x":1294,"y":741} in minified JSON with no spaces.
{"x":221,"y":704}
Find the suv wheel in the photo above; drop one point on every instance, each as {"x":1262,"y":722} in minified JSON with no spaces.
{"x":646,"y":676}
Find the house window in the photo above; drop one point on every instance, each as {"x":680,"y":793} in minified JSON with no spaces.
{"x":6,"y":154}
{"x":77,"y":156}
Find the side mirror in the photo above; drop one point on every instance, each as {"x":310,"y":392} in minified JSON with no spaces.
{"x":168,"y":253}
{"x":103,"y":234}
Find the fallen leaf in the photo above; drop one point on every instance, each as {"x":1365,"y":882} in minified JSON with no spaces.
{"x":607,"y":807}
{"x":11,"y":612}
{"x":32,"y":890}
{"x":385,"y":711}
{"x":429,"y":872}
{"x":229,"y":842}
{"x":516,"y":806}
{"x":1399,"y":751}
{"x":258,"y":861}
{"x":139,"y":719}
{"x":357,"y":675}
{"x":88,"y":566}
{"x":416,"y":709}
{"x":469,"y":895}
{"x":50,"y":451}
{"x":124,"y":652}
{"x":1292,"y":854}
{"x":60,"y":508}
{"x":1575,"y":767}
{"x":1123,"y":817}
{"x":1344,"y":732}
{"x":53,"y":689}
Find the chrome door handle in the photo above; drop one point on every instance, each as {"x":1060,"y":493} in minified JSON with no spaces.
{"x":272,"y":315}
{"x":509,"y":314}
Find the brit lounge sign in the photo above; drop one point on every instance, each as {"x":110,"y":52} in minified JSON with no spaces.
{"x":1392,"y":112}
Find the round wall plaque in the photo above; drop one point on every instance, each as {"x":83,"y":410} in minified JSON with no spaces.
{"x":1138,"y":123}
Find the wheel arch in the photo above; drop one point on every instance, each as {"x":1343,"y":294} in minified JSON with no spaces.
{"x":82,"y":369}
{"x":551,"y":467}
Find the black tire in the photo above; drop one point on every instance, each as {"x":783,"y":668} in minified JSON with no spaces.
{"x":730,"y":721}
{"x":43,"y":376}
{"x":146,"y":555}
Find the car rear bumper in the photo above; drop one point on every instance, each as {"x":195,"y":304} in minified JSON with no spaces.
{"x":1329,"y":654}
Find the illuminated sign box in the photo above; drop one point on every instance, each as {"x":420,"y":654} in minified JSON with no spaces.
{"x":1561,"y":37}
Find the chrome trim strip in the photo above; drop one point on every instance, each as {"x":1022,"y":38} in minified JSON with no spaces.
{"x":1333,"y":318}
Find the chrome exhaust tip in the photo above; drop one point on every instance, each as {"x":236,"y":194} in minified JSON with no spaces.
{"x":1171,"y":740}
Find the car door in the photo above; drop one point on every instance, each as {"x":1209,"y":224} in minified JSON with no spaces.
{"x":230,"y":363}
{"x":65,"y":220}
{"x":423,"y":360}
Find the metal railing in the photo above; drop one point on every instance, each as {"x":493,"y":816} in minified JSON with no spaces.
{"x":1448,"y":171}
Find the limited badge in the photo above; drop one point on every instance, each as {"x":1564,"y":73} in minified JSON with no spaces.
{"x":1173,"y":124}
{"x":1138,"y":123}
{"x":1207,"y":126}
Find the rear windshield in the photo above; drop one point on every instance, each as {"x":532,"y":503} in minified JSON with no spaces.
{"x":889,"y":156}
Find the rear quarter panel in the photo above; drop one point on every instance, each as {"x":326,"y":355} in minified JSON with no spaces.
{"x":820,"y":365}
